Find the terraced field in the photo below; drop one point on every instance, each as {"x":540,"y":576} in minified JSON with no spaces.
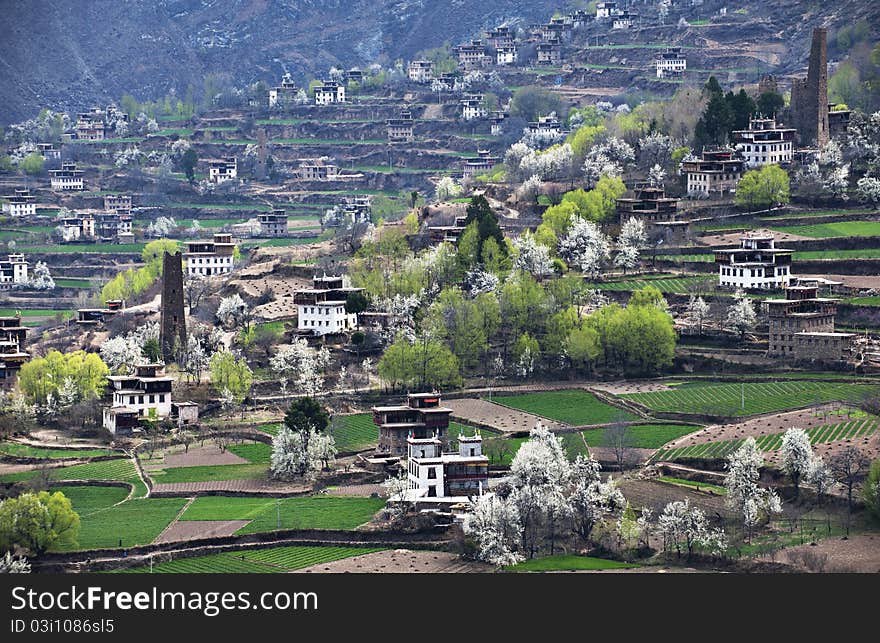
{"x":836,"y":229}
{"x":104,"y":524}
{"x":666,"y":285}
{"x":858,"y":428}
{"x":269,"y":514}
{"x":750,"y":398}
{"x":573,"y":407}
{"x":645,"y":436}
{"x":258,"y":561}
{"x":122,"y":469}
{"x":567,"y":562}
{"x":354,"y":432}
{"x":16,"y":449}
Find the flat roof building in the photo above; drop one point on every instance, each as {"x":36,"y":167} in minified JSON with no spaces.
{"x":756,"y":265}
{"x":210,"y":258}
{"x":421,"y":417}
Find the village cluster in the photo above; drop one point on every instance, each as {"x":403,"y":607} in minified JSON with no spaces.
{"x":476,"y":299}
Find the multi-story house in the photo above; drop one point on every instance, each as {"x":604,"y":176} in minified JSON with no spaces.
{"x":670,"y":63}
{"x":321,"y":309}
{"x":756,"y":264}
{"x":420,"y":71}
{"x":13,"y":271}
{"x":20,"y":204}
{"x":210,"y":258}
{"x":222,"y":170}
{"x":801,"y":327}
{"x":449,"y":476}
{"x":146,"y":394}
{"x":273,"y":224}
{"x":329,"y":92}
{"x":765,"y":142}
{"x":718,"y":170}
{"x":12,"y":341}
{"x":421,"y":417}
{"x":66,"y":178}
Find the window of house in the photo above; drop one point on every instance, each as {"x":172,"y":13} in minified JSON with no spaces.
{"x":432,"y":473}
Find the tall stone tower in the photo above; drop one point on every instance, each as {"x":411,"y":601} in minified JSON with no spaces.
{"x":173,"y":323}
{"x":809,"y":96}
{"x":260,"y":166}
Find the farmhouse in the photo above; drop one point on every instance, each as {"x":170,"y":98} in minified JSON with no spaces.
{"x":440,"y":233}
{"x":329,"y":92}
{"x":208,"y":258}
{"x":400,"y":130}
{"x":659,"y":212}
{"x":549,"y":53}
{"x":764,"y":142}
{"x":471,"y":55}
{"x":605,"y":10}
{"x":222,"y":170}
{"x":90,"y":316}
{"x":90,"y":126}
{"x":838,"y":119}
{"x":78,"y":227}
{"x":499,"y":37}
{"x":448,"y":476}
{"x":12,"y":339}
{"x":145,"y":394}
{"x":284,"y":94}
{"x":119,"y":203}
{"x":483,"y":162}
{"x":273,"y":224}
{"x":717,"y":171}
{"x":20,"y":204}
{"x":66,"y":178}
{"x":321,"y":309}
{"x":505,"y":55}
{"x":473,"y":106}
{"x":317,"y":170}
{"x":801,"y":327}
{"x":545,"y":127}
{"x":49,"y":152}
{"x":756,"y":264}
{"x":111,"y":226}
{"x":420,"y":71}
{"x":623,"y":19}
{"x":496,"y":122}
{"x":670,"y":63}
{"x":421,"y":417}
{"x":13,"y":271}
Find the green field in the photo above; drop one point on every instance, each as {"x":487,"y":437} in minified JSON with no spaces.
{"x":121,"y":469}
{"x":574,"y":407}
{"x":864,"y":301}
{"x":85,"y":248}
{"x":255,"y":453}
{"x":699,"y":486}
{"x":645,"y":436}
{"x":664,"y":285}
{"x":103,"y":523}
{"x":208,"y":473}
{"x":269,"y":514}
{"x":19,"y":450}
{"x":33,"y":312}
{"x":749,"y":398}
{"x":567,"y":562}
{"x":354,"y":432}
{"x":813,"y":214}
{"x":74,"y":283}
{"x":705,"y":257}
{"x":836,"y":229}
{"x":254,"y":561}
{"x":805,"y":255}
{"x":248,"y":207}
{"x":857,"y":428}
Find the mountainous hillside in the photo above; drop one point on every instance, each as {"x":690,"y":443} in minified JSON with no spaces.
{"x":71,"y":55}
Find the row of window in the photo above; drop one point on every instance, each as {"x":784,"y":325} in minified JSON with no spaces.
{"x":210,"y":260}
{"x":751,"y":272}
{"x":322,"y":310}
{"x":140,"y":398}
{"x":772,"y":147}
{"x":318,"y":322}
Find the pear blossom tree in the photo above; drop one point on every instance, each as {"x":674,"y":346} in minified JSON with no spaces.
{"x":585,"y":246}
{"x":698,"y":312}
{"x":744,"y":494}
{"x":797,"y":456}
{"x":684,"y":526}
{"x":41,"y":278}
{"x":531,"y":256}
{"x":234,"y":312}
{"x":494,"y":523}
{"x":741,"y":316}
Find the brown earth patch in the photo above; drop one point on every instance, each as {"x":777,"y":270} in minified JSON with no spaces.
{"x":501,"y":418}
{"x":245,"y":486}
{"x":733,"y":238}
{"x":623,"y":388}
{"x":197,"y":457}
{"x":193,"y":529}
{"x":855,"y":554}
{"x":656,"y":495}
{"x":399,"y":561}
{"x":360,"y":490}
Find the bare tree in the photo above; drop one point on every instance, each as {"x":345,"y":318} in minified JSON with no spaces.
{"x":195,"y":289}
{"x":621,"y":441}
{"x":847,"y":467}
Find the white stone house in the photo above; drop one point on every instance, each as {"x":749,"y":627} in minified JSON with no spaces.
{"x":20,"y":204}
{"x":210,"y":258}
{"x":144,"y":394}
{"x":756,"y":265}
{"x":329,"y":92}
{"x":765,"y":142}
{"x":321,"y":309}
{"x":434,"y":474}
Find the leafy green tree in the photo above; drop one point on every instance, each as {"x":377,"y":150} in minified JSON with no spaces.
{"x":559,"y":327}
{"x":583,"y":347}
{"x":44,"y":376}
{"x":231,"y":373}
{"x":356,"y":303}
{"x":31,"y":164}
{"x":425,"y":363}
{"x":742,"y":107}
{"x":871,"y":489}
{"x":154,"y":251}
{"x":306,"y":414}
{"x":152,"y":350}
{"x":769,"y":103}
{"x":481,"y":212}
{"x":37,"y":521}
{"x":524,"y":304}
{"x":763,"y":188}
{"x":530,"y":102}
{"x":188,"y":163}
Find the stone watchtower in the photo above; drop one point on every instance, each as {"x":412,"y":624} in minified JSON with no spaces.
{"x":809,"y":96}
{"x":173,"y":323}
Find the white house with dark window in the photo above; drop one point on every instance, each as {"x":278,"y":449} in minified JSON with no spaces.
{"x":756,"y":264}
{"x":67,"y":178}
{"x":452,"y":476}
{"x":14,"y":270}
{"x":670,"y":63}
{"x":321,"y":310}
{"x":20,"y":204}
{"x":222,"y":170}
{"x":420,"y":71}
{"x":329,"y":92}
{"x":144,"y":394}
{"x":765,"y":142}
{"x":209,"y":258}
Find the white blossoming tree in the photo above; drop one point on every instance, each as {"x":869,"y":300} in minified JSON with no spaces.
{"x":447,"y":188}
{"x":744,"y":494}
{"x":684,"y":526}
{"x":585,"y":246}
{"x":161,"y":227}
{"x":41,"y":278}
{"x":531,"y":256}
{"x":495,"y":525}
{"x":698,"y":312}
{"x":797,"y":456}
{"x":234,"y":312}
{"x":741,"y":316}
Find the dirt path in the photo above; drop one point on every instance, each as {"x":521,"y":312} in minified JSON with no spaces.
{"x":496,"y":416}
